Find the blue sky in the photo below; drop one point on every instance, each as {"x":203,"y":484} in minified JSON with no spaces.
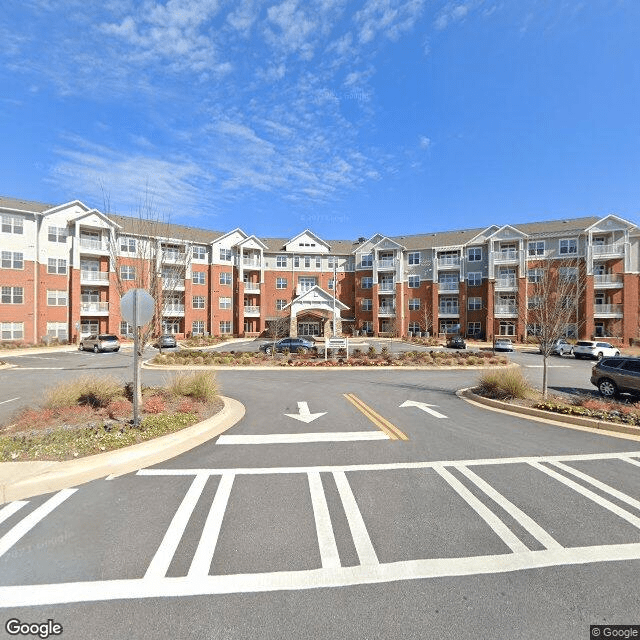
{"x":345,"y":117}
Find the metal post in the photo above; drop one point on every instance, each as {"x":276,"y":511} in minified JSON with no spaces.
{"x":136,"y":385}
{"x":335,"y":289}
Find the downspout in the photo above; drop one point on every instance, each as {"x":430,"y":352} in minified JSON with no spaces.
{"x":36,"y":262}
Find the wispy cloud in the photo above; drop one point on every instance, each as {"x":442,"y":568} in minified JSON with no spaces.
{"x":389,"y":18}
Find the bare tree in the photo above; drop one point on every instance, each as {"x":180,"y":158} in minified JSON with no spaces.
{"x":555,"y":291}
{"x":277,"y":328}
{"x":426,"y":317}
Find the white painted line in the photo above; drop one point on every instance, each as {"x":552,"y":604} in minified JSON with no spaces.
{"x":41,"y":368}
{"x":518,"y":515}
{"x":11,"y":508}
{"x":614,"y":508}
{"x":551,"y":366}
{"x":499,"y":527}
{"x":632,"y":461}
{"x":301,"y":438}
{"x":424,"y":407}
{"x":26,"y":524}
{"x":105,"y":590}
{"x":304,"y":415}
{"x":366,"y":552}
{"x":326,"y":539}
{"x":10,"y":400}
{"x":163,"y":556}
{"x":623,"y":497}
{"x":209,"y":539}
{"x":390,"y":466}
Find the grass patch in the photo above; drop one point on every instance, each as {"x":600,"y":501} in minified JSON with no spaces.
{"x":91,"y":390}
{"x":505,"y":384}
{"x":198,"y":385}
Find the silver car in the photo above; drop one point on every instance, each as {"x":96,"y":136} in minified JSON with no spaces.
{"x":100,"y":342}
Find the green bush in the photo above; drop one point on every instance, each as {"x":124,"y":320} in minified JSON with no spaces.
{"x":504,"y":384}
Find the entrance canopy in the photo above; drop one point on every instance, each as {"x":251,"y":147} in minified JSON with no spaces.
{"x":315,"y":306}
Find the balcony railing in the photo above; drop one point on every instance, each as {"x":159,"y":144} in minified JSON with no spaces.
{"x":616,"y":249}
{"x":94,"y":307}
{"x":448,"y":286}
{"x":614,"y":310}
{"x":173,"y":310}
{"x":94,"y":277}
{"x":387,"y":286}
{"x":506,"y":309}
{"x":93,"y":244}
{"x":251,"y":262}
{"x":508,"y":255}
{"x":386,"y":311}
{"x":387,"y":263}
{"x":252,"y":287}
{"x":174,"y":256}
{"x":448,"y":311}
{"x":251,"y":310}
{"x":452,"y":261}
{"x":172,"y":283}
{"x":506,"y":283}
{"x":607,"y":280}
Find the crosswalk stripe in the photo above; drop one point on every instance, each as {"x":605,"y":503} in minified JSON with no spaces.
{"x":301,"y":438}
{"x":8,"y":510}
{"x":326,"y":540}
{"x":632,"y":461}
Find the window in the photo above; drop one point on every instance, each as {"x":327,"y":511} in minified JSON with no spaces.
{"x":12,"y":260}
{"x":57,"y":234}
{"x":57,"y":330}
{"x":225,"y":326}
{"x":307,"y":262}
{"x":127,"y":245}
{"x":366,"y":282}
{"x":331,"y":284}
{"x":281,"y":303}
{"x":12,"y":224}
{"x":367,"y":304}
{"x":57,"y":266}
{"x":127,"y":272}
{"x":197,"y":328}
{"x":57,"y":298}
{"x":12,"y":295}
{"x":507,"y":328}
{"x":568,"y":246}
{"x":414,"y":304}
{"x":414,"y":257}
{"x":414,"y":282}
{"x":225,"y":278}
{"x":225,"y":303}
{"x":535,"y":275}
{"x":536,"y":248}
{"x":366,"y":260}
{"x":568,"y":302}
{"x":281,"y":283}
{"x":414,"y":327}
{"x":296,"y":261}
{"x":332,"y":261}
{"x":474,"y":254}
{"x":568,"y":274}
{"x":12,"y":330}
{"x":281,"y":261}
{"x":367,"y":326}
{"x":198,"y":277}
{"x":198,"y":302}
{"x":474,"y":278}
{"x":225,"y":254}
{"x":534,"y":329}
{"x":200,"y":253}
{"x":475,"y":304}
{"x":474,"y":328}
{"x":318,"y":262}
{"x":534,"y":302}
{"x":126,"y":329}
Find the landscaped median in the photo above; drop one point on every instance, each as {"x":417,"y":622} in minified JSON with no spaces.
{"x":510,"y":391}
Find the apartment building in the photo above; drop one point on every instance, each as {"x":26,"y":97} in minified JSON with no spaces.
{"x":64,"y":268}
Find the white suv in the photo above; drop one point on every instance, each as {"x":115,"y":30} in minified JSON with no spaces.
{"x":597,"y":350}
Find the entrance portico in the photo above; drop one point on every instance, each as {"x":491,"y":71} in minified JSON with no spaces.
{"x":312,"y":314}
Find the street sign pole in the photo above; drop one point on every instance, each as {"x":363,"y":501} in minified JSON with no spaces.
{"x":136,"y":372}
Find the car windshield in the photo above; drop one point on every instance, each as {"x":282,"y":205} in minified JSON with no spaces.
{"x":107,"y":337}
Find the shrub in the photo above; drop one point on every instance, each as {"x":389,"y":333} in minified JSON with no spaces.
{"x":33,"y":419}
{"x":371,"y":351}
{"x":188,"y":405}
{"x":93,"y":391}
{"x":154,"y":404}
{"x":119,"y":408}
{"x":504,"y":384}
{"x":199,"y":385}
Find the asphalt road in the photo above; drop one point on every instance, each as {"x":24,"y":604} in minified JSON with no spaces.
{"x":333,"y":511}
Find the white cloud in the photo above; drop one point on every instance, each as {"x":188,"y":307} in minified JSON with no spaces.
{"x":424,"y":142}
{"x":454,"y":12}
{"x":390,"y":18}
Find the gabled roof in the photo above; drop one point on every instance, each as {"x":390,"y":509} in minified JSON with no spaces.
{"x":510,"y":228}
{"x":230,"y":233}
{"x":102,"y":216}
{"x":310,"y":233}
{"x":621,"y":221}
{"x":249,"y":239}
{"x":27,"y":206}
{"x":67,"y":205}
{"x":317,"y":289}
{"x":390,"y":241}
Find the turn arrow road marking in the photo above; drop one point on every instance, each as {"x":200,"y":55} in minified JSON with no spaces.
{"x":303,"y":413}
{"x":424,"y":406}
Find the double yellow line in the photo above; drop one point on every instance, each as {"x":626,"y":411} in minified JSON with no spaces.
{"x":382,"y":423}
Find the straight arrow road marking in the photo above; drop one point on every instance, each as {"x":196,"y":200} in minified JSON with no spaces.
{"x":304,"y":415}
{"x":424,"y":406}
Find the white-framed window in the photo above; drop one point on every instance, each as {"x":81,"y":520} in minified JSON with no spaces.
{"x":568,"y":302}
{"x":318,"y":262}
{"x":367,"y":326}
{"x":126,"y":329}
{"x":570,"y":330}
{"x":199,"y":253}
{"x":474,"y":254}
{"x":507,"y":328}
{"x":414,"y":304}
{"x":57,"y":330}
{"x":535,"y":275}
{"x":414,"y":282}
{"x":534,"y":302}
{"x":12,"y":224}
{"x":281,"y":303}
{"x":198,"y":277}
{"x":414,"y":257}
{"x":281,"y":283}
{"x":366,"y":260}
{"x":474,"y":304}
{"x":225,"y":254}
{"x":332,"y":261}
{"x":12,"y":295}
{"x":568,"y":246}
{"x":414,"y":327}
{"x":127,"y":245}
{"x":296,"y":261}
{"x":281,"y":261}
{"x":12,"y":330}
{"x":225,"y":303}
{"x":127,"y":272}
{"x":225,"y":326}
{"x":225,"y":277}
{"x":197,"y":328}
{"x":474,"y":328}
{"x":57,"y":234}
{"x":331,"y":284}
{"x":57,"y":265}
{"x":536,"y":248}
{"x":367,"y":304}
{"x":366,"y":282}
{"x":534,"y":329}
{"x":568,"y":274}
{"x":474,"y":278}
{"x":12,"y":260}
{"x":307,"y":262}
{"x":57,"y":298}
{"x":198,"y":302}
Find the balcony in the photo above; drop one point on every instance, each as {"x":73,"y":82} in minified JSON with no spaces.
{"x":607,"y":281}
{"x":251,"y":310}
{"x":252,"y":262}
{"x":386,"y":286}
{"x":94,"y":277}
{"x":508,"y":255}
{"x":93,"y":245}
{"x":607,"y":310}
{"x":448,"y":312}
{"x":94,"y":308}
{"x":172,"y":284}
{"x":506,"y":310}
{"x":506,"y":284}
{"x":451,"y":262}
{"x":449,"y":286}
{"x":252,"y":287}
{"x":615,"y":250}
{"x":171,"y":309}
{"x":176,"y":257}
{"x":387,"y":263}
{"x":386,"y":311}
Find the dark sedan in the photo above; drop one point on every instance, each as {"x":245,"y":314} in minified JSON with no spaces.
{"x":292,"y":345}
{"x":456,"y":342}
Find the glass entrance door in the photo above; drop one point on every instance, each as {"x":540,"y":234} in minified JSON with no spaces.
{"x":308,"y":329}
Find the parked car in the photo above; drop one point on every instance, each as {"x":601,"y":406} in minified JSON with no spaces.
{"x":166,"y":340}
{"x":503,"y":344}
{"x":456,"y":342}
{"x":560,"y":347}
{"x":597,"y":350}
{"x":292,"y":344}
{"x":100,"y":342}
{"x":616,"y":375}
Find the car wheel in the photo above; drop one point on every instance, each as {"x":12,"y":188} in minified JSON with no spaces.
{"x":599,"y":356}
{"x":577,"y":356}
{"x":607,"y":388}
{"x":617,"y":353}
{"x":95,"y":348}
{"x":81,"y":347}
{"x":303,"y":350}
{"x":118,"y":349}
{"x":268,"y":351}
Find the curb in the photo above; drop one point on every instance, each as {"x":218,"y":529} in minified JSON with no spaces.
{"x":62,"y":475}
{"x":182,"y":367}
{"x":548,"y":416}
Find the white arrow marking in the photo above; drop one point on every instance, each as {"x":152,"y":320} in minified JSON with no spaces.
{"x":303,"y":413}
{"x":424,"y":406}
